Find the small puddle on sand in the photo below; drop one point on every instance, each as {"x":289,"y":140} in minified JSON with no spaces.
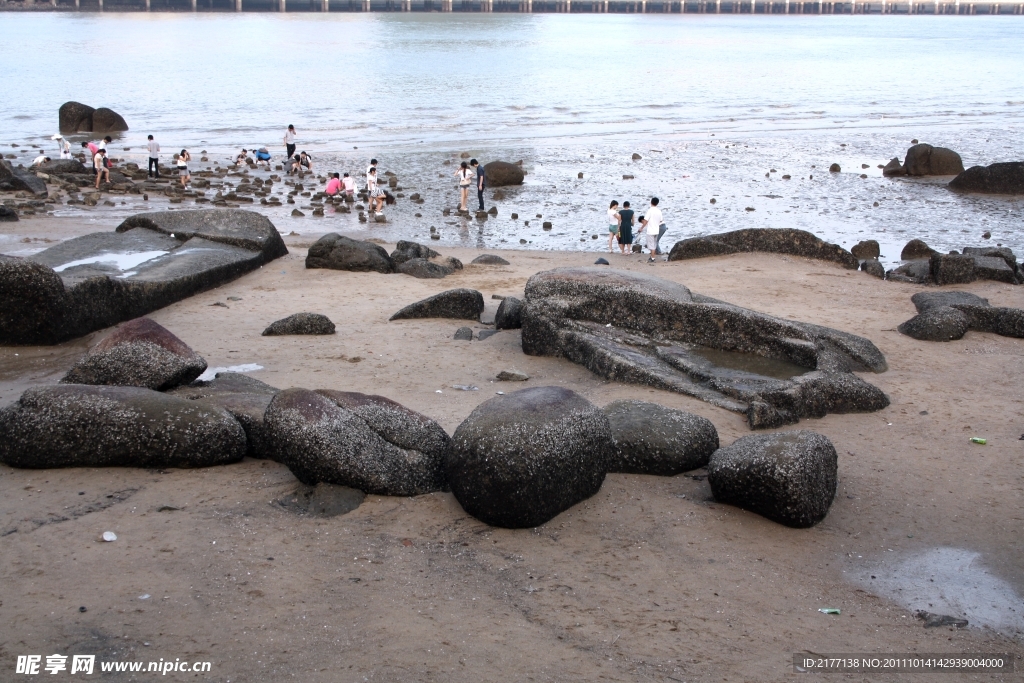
{"x":749,"y":362}
{"x":948,"y":581}
{"x":211,"y":373}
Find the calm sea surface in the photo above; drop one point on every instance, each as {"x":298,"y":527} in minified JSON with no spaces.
{"x":712,"y":103}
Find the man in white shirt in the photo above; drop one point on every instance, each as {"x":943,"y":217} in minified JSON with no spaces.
{"x":154,"y":158}
{"x":651,"y":224}
{"x":289,"y":141}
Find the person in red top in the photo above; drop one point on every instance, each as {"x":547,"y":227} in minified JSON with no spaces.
{"x":93,"y":149}
{"x":333,"y":185}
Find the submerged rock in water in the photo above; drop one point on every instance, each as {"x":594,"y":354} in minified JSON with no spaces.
{"x":138,"y":353}
{"x":75,"y":117}
{"x":771,"y":240}
{"x":108,"y":121}
{"x":923,"y":160}
{"x":522,"y":458}
{"x":641,"y":329}
{"x":1002,"y":178}
{"x":788,"y":477}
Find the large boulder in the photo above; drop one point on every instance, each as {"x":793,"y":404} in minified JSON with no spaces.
{"x":244,"y":397}
{"x":34,"y":302}
{"x":75,"y":117}
{"x":108,"y":121}
{"x":509,"y":315}
{"x":866,"y":249}
{"x":788,"y":477}
{"x":394,"y":452}
{"x":236,"y":227}
{"x":138,"y":353}
{"x":64,"y":166}
{"x":74,"y":425}
{"x":18,"y":180}
{"x":938,"y":324}
{"x":652,"y":439}
{"x":461,"y":304}
{"x":637,"y":328}
{"x":406,"y":251}
{"x":952,"y":269}
{"x":502,"y":173}
{"x":1002,"y":178}
{"x":344,"y":253}
{"x":424,"y":269}
{"x":923,"y":159}
{"x":522,"y":458}
{"x":771,"y":240}
{"x":916,"y":249}
{"x":300,"y":323}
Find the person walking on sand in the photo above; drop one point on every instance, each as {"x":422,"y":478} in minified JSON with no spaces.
{"x":289,"y":141}
{"x":154,"y":158}
{"x":625,"y":228}
{"x":182,"y":163}
{"x":376,"y":195}
{"x":481,"y":181}
{"x":651,"y":224}
{"x":613,"y":225}
{"x":99,"y":162}
{"x":465,"y":176}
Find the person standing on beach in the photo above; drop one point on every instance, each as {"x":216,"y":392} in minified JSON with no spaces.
{"x":465,"y":176}
{"x":183,"y":173}
{"x":376,"y":195}
{"x":651,"y":224}
{"x":289,"y":141}
{"x":613,"y":225}
{"x":481,"y":182}
{"x":625,"y":227}
{"x":154,"y":158}
{"x":371,"y":167}
{"x":99,"y":162}
{"x":63,"y":145}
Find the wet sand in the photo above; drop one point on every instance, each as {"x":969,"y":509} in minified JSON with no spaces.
{"x":648,"y":580}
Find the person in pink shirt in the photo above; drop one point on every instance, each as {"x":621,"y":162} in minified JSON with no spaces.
{"x":333,"y":185}
{"x":93,"y":149}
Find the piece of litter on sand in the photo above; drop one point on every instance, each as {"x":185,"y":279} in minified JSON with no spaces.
{"x":829,"y":610}
{"x":978,"y":440}
{"x":109,"y":536}
{"x":144,"y":596}
{"x":465,"y":387}
{"x":500,"y":393}
{"x":438,"y":391}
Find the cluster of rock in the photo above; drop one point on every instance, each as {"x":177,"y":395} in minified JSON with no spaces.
{"x":925,"y":160}
{"x":927,"y":266}
{"x":946,"y":316}
{"x":19,"y":180}
{"x":641,"y":329}
{"x":77,"y":286}
{"x":337,"y":252}
{"x":75,"y":117}
{"x":771,"y":240}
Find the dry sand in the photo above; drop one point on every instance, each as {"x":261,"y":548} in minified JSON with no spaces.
{"x":648,"y":580}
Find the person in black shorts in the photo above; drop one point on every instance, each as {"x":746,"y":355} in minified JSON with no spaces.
{"x":626,"y":228}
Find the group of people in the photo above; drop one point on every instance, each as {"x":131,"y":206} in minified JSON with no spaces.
{"x":621,"y":220}
{"x":181,"y":160}
{"x":471,"y":175}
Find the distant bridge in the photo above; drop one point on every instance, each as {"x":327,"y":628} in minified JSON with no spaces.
{"x":956,"y":7}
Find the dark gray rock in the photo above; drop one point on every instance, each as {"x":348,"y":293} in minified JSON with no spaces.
{"x":406,"y":251}
{"x":923,"y":159}
{"x":918,"y":271}
{"x":522,"y":458}
{"x":300,"y":323}
{"x":873,"y":267}
{"x":485,"y":334}
{"x":108,"y":121}
{"x":63,"y":167}
{"x":894,"y":169}
{"x":512,"y":376}
{"x":17,"y":180}
{"x":509,"y":315}
{"x":1004,"y":253}
{"x":601,"y":262}
{"x":138,"y":353}
{"x":927,"y":301}
{"x":952,"y":269}
{"x":343,"y":253}
{"x":638,"y":328}
{"x":771,"y":240}
{"x":74,"y":425}
{"x":866,"y":249}
{"x":490,"y":260}
{"x":788,"y":477}
{"x":993,"y":268}
{"x":323,"y":500}
{"x":502,"y":173}
{"x":365,"y":442}
{"x":7,"y":215}
{"x":1002,"y":178}
{"x":34,"y":302}
{"x":461,"y":304}
{"x":916,"y":249}
{"x":464,"y":334}
{"x":937,"y":324}
{"x":75,"y":117}
{"x":424,"y":269}
{"x":236,"y":227}
{"x":652,"y":439}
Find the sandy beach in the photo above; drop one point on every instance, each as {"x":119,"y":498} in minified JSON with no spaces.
{"x":650,"y":579}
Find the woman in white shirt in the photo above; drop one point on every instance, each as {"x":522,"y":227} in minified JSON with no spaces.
{"x":465,"y":175}
{"x":376,"y":194}
{"x":613,"y":225}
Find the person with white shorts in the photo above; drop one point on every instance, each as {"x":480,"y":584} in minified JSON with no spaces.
{"x":651,"y":224}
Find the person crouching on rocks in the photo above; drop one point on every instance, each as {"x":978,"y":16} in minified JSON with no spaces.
{"x":306,"y":161}
{"x":333,"y":185}
{"x":263,"y":157}
{"x":242,"y":158}
{"x":100,"y":163}
{"x":182,"y":165}
{"x":376,"y":195}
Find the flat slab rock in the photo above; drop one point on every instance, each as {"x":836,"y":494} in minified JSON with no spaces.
{"x":98,"y":280}
{"x":138,"y":353}
{"x":637,"y":328}
{"x":770,"y":240}
{"x":460,"y":304}
{"x":788,"y":477}
{"x":947,"y":316}
{"x":300,"y":323}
